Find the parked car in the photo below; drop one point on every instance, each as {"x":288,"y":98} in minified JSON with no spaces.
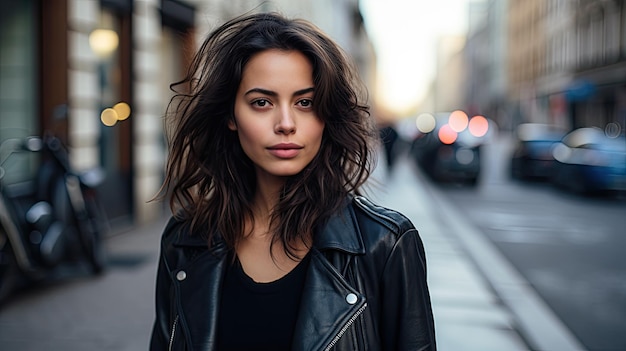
{"x":532,"y":152}
{"x":449,"y":149}
{"x":588,"y":161}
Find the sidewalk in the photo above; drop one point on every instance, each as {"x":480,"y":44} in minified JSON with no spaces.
{"x":479,"y":301}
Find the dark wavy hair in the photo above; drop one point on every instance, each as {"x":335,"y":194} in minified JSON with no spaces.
{"x":209,"y":178}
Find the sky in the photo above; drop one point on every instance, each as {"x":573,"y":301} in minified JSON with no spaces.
{"x":404,"y":33}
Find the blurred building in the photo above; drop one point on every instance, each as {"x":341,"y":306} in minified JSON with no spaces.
{"x":97,"y":73}
{"x":447,"y":89}
{"x":550,"y":61}
{"x":526,"y":57}
{"x":489,"y":94}
{"x":597,"y":94}
{"x":471,"y":71}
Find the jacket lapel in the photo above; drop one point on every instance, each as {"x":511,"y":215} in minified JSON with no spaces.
{"x":329,"y":303}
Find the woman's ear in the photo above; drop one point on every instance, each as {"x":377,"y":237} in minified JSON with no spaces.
{"x":232,"y":125}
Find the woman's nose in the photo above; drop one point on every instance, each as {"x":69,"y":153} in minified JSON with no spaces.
{"x":286,"y":123}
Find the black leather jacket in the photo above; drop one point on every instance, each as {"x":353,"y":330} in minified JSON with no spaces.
{"x":365,"y":287}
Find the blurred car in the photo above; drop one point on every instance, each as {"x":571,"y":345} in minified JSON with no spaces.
{"x":532,"y":152}
{"x":447,"y":146}
{"x":588,"y":161}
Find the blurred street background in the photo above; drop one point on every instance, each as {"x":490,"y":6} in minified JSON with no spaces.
{"x":503,"y":140}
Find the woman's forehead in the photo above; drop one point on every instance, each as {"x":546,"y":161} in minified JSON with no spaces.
{"x":277,"y":70}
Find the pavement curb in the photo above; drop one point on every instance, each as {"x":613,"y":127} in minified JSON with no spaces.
{"x":536,"y":322}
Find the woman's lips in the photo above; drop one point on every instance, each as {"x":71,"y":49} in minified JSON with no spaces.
{"x":285,"y":150}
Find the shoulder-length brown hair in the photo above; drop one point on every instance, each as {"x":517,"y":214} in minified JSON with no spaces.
{"x":212,"y":181}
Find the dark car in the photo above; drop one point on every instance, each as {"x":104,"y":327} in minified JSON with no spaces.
{"x":588,"y":161}
{"x":532,"y":152}
{"x":447,"y":147}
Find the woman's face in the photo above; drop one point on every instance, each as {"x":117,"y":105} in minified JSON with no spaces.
{"x":274,"y":117}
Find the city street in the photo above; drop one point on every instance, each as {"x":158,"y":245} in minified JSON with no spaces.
{"x":569,"y":247}
{"x":480,"y":302}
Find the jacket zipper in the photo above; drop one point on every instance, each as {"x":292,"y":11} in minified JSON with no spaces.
{"x":172,"y":335}
{"x":345,"y":327}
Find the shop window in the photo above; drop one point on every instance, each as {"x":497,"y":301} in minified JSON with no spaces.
{"x":18,"y":85}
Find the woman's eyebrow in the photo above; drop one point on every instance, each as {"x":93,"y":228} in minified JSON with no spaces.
{"x":261,"y":91}
{"x":303,"y":91}
{"x":273,"y":93}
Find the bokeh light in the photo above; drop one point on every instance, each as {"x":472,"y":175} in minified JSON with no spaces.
{"x":613,"y":130}
{"x":425,"y":123}
{"x":458,"y":121}
{"x":123,"y":110}
{"x":108,"y":117}
{"x":478,"y":126}
{"x":447,"y":135}
{"x":103,"y":42}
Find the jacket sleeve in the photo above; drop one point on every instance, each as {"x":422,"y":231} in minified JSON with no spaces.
{"x":163,"y":299}
{"x":407,"y":312}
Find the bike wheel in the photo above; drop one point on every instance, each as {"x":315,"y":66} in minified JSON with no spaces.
{"x":97,"y":223}
{"x":93,"y":229}
{"x":88,"y":221}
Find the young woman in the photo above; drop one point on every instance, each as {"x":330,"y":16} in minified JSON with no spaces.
{"x":271,"y":246}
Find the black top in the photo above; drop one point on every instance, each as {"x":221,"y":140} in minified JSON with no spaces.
{"x":259,"y":316}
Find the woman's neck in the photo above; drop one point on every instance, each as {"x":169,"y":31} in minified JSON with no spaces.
{"x":264,"y":204}
{"x":262,"y":257}
{"x":267,"y":195}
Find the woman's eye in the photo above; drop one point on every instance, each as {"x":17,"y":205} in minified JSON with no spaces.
{"x":260,"y":103}
{"x":305,"y":103}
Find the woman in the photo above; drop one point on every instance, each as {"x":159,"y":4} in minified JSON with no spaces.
{"x":271,"y":247}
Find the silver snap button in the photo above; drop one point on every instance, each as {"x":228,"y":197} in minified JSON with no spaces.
{"x":181,"y":275}
{"x":351,"y":299}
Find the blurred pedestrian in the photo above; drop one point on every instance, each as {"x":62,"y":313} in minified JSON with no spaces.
{"x":389,"y":137}
{"x":271,"y":246}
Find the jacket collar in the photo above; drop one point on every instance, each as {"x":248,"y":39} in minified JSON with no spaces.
{"x":341,"y":232}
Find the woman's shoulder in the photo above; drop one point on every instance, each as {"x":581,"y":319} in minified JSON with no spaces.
{"x":382,"y":230}
{"x":177,"y":234}
{"x":371,"y":214}
{"x":179,"y":245}
{"x":172,"y":231}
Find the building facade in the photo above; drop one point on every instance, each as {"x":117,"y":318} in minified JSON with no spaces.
{"x":564,"y":62}
{"x":96,"y":73}
{"x":596,"y":96}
